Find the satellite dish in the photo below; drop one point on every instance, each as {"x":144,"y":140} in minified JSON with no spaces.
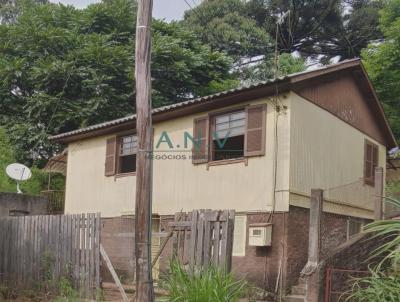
{"x":19,"y":173}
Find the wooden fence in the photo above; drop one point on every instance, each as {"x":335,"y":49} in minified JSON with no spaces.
{"x":38,"y":250}
{"x":204,"y":237}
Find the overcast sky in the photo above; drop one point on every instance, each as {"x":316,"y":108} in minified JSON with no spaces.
{"x":162,"y":9}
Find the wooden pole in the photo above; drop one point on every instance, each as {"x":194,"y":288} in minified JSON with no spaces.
{"x":378,"y":211}
{"x":143,"y":209}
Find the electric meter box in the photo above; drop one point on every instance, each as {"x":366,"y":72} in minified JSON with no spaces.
{"x":260,"y":234}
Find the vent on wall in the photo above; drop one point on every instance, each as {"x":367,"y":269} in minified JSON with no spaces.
{"x":260,"y":234}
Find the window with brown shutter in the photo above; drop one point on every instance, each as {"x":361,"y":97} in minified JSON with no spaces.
{"x":200,"y":136}
{"x":110,"y":156}
{"x":231,"y":134}
{"x":255,"y":130}
{"x":371,"y":158}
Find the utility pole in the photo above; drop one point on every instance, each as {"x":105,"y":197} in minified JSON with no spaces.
{"x":143,"y":208}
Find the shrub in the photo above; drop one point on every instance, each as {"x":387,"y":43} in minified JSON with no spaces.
{"x":207,"y":285}
{"x":384,"y":282}
{"x":377,"y":287}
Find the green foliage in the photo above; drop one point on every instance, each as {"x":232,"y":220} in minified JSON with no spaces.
{"x":265,"y":70}
{"x":227,"y":26}
{"x":10,"y":9}
{"x":377,"y":287}
{"x":393,"y":188}
{"x":6,"y":158}
{"x":37,"y":183}
{"x":62,"y":68}
{"x":383,"y":229}
{"x":383,"y":284}
{"x":67,"y":292}
{"x":319,"y":29}
{"x":382,"y":63}
{"x":210,"y":284}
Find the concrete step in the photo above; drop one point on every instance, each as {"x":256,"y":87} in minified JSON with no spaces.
{"x":294,"y":298}
{"x":299,"y":290}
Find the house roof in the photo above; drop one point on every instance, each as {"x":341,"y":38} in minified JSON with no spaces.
{"x":237,"y":95}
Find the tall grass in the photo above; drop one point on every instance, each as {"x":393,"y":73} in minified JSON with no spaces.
{"x":386,"y":229}
{"x":384,"y":282}
{"x":375,"y":288}
{"x":208,"y":285}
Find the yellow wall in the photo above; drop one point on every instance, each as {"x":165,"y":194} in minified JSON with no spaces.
{"x":327,"y":153}
{"x":178,"y":184}
{"x":318,"y":149}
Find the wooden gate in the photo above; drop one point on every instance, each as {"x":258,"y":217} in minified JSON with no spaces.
{"x":204,"y":237}
{"x":43,"y":249}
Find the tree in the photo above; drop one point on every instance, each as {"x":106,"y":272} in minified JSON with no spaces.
{"x":38,"y":180}
{"x":382,"y":63}
{"x":227,"y":26}
{"x":63,"y":68}
{"x":10,"y":9}
{"x":6,"y":158}
{"x":320,"y":29}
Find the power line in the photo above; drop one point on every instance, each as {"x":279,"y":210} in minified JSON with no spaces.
{"x":195,"y":9}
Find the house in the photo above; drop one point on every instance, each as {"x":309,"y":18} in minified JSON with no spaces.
{"x":259,"y":150}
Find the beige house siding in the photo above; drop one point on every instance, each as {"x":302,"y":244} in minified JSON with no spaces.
{"x":327,"y":153}
{"x":178,"y":184}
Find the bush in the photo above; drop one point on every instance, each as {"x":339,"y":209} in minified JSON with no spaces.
{"x":377,"y":287}
{"x":384,"y":282}
{"x":210,"y":284}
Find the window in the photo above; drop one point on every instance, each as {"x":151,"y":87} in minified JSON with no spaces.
{"x":127,"y":154}
{"x":228,"y":136}
{"x":370,"y":162}
{"x":235,"y":134}
{"x":354,"y":227}
{"x":239,"y":235}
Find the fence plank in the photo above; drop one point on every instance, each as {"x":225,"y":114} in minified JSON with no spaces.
{"x":87,"y":256}
{"x":2,"y":229}
{"x":193,"y":239}
{"x":216,"y":242}
{"x":200,"y":240}
{"x":97,"y":251}
{"x":72,"y":240}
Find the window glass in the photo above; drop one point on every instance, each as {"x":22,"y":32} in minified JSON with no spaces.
{"x":128,"y":144}
{"x":230,"y":125}
{"x":228,"y":138}
{"x":127,"y":154}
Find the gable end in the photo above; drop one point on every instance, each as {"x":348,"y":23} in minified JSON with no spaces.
{"x":344,"y":97}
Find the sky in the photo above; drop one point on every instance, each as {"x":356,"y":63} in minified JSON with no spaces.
{"x":162,"y":9}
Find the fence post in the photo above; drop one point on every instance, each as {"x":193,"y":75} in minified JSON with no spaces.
{"x":378,"y":193}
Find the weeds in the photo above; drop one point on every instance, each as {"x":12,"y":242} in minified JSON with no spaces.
{"x":377,"y":287}
{"x":384,"y":282}
{"x":207,"y":285}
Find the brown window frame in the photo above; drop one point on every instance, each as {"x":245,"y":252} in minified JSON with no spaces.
{"x":212,"y":118}
{"x":370,"y":164}
{"x":118,"y":156}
